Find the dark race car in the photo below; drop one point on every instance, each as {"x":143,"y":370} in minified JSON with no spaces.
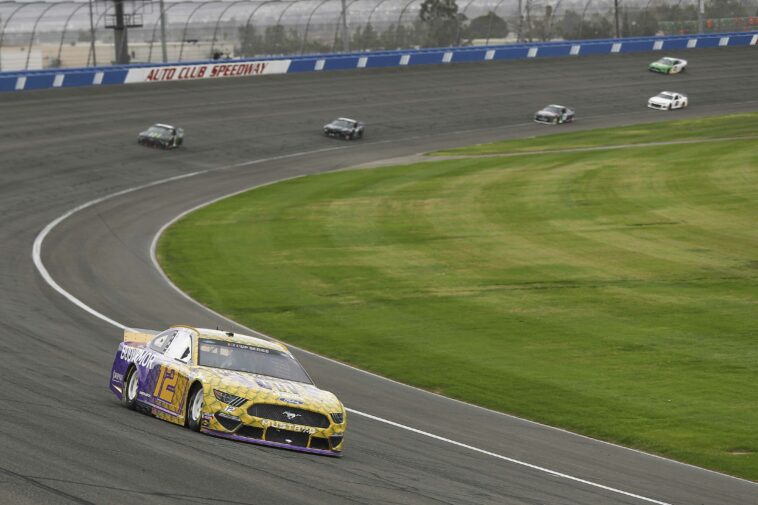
{"x":554,"y":114}
{"x":345,"y":128}
{"x":161,"y":135}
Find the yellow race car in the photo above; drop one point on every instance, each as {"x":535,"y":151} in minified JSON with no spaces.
{"x":227,"y":385}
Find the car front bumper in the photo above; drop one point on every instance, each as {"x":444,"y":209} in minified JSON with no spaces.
{"x":658,"y":106}
{"x":241,"y":426}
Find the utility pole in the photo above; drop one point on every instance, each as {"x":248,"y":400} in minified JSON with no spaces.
{"x":163,"y":33}
{"x":92,"y":36}
{"x":616,"y":16}
{"x":700,"y":16}
{"x":345,"y":36}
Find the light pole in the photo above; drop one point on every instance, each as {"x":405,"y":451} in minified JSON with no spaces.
{"x":345,"y":41}
{"x":163,"y":33}
{"x":92,"y":36}
{"x":700,"y":15}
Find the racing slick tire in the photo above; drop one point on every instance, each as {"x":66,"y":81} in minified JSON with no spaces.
{"x":195,"y":408}
{"x":131,"y":389}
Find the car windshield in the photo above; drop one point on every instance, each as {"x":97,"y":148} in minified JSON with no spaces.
{"x":665,"y":96}
{"x":342,"y":123}
{"x":666,"y":61}
{"x":553,"y":109}
{"x":249,"y":358}
{"x":159,"y":130}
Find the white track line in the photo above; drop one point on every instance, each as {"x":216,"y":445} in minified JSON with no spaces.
{"x":510,"y":460}
{"x":37,"y":258}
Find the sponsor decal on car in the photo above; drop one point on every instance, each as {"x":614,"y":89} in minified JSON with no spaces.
{"x":117,"y":377}
{"x":227,"y":416}
{"x":287,"y":426}
{"x":291,"y":401}
{"x":138,"y":356}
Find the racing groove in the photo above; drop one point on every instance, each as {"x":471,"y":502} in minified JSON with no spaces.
{"x":65,"y":439}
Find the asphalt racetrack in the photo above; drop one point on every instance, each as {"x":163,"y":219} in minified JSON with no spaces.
{"x":64,"y":438}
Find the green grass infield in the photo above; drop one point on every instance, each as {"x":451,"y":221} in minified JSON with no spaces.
{"x":609,"y":292}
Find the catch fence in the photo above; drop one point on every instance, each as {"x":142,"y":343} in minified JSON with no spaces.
{"x":38,"y":34}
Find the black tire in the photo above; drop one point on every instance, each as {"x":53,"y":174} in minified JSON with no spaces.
{"x":194,"y":412}
{"x":131,"y":391}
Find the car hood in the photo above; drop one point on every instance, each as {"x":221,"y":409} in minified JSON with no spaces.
{"x":153,"y":135}
{"x":655,"y":64}
{"x":660,"y":100}
{"x":262,"y":389}
{"x":545,"y":112}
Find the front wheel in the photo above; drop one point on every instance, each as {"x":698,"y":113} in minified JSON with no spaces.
{"x":195,"y":409}
{"x":131,"y":389}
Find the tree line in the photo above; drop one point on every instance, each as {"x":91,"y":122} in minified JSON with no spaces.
{"x":440,"y":24}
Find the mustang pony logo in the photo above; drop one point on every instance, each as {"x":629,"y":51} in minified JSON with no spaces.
{"x":291,"y":415}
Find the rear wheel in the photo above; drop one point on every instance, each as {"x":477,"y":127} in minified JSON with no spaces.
{"x":195,"y":408}
{"x":131,"y":389}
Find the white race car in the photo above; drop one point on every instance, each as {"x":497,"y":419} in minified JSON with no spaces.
{"x":668,"y":100}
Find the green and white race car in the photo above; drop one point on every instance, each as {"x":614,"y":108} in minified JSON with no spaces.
{"x":668,"y":65}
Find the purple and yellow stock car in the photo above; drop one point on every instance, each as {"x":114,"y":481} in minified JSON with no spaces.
{"x":227,"y":385}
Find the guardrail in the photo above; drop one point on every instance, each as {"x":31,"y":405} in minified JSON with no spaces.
{"x":125,"y":74}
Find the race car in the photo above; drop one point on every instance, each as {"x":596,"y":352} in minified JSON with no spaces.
{"x":668,"y":65}
{"x":554,"y":114}
{"x":346,"y":128}
{"x":161,"y":135}
{"x":227,"y":385}
{"x":668,"y":100}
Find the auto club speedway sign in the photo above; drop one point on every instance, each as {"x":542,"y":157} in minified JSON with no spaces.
{"x":207,"y":71}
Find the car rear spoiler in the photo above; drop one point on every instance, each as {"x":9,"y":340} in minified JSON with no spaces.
{"x":139,"y":335}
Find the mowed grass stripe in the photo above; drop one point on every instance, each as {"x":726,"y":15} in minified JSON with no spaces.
{"x":609,"y":292}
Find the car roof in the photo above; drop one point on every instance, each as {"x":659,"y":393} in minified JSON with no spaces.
{"x":229,"y":336}
{"x":346,"y":119}
{"x":559,"y":106}
{"x":164,"y":126}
